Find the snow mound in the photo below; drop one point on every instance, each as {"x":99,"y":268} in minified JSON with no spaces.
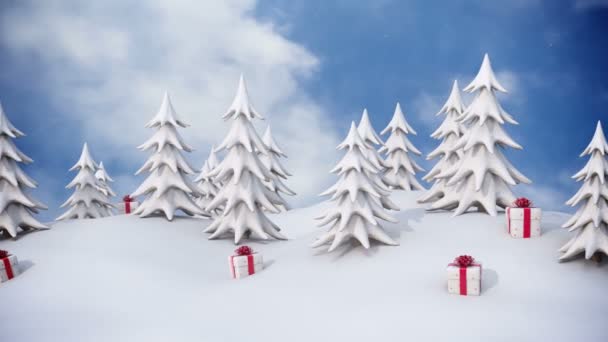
{"x":124,"y":278}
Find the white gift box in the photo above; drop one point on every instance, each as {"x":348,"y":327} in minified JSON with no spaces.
{"x":242,"y":266}
{"x":523,"y":222}
{"x":9,"y":268}
{"x":464,"y":281}
{"x":122,"y":207}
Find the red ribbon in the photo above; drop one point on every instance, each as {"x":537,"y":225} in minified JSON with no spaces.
{"x":8,"y":267}
{"x":527,"y":222}
{"x":250,"y":264}
{"x":127,"y":199}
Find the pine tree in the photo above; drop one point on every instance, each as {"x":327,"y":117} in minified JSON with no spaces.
{"x":244,"y":196}
{"x":355,"y":198}
{"x":449,"y":132}
{"x":483,"y":175}
{"x":88,"y":199}
{"x":591,"y":219}
{"x":104,"y":179}
{"x":16,"y":205}
{"x":207,"y":187}
{"x":272,"y":163}
{"x":168,"y":187}
{"x":372,"y":142}
{"x":401,"y":169}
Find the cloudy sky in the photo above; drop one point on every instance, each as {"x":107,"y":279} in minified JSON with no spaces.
{"x":95,"y":71}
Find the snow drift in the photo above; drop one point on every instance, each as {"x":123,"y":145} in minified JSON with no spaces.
{"x":124,"y":278}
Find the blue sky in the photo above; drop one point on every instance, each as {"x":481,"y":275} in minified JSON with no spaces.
{"x":96,"y":73}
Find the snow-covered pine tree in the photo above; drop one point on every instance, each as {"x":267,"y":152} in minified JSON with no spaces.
{"x":16,"y":206}
{"x":355,"y":199}
{"x":88,"y":199}
{"x":449,"y":132}
{"x":168,"y":187}
{"x":244,"y":196}
{"x":104,"y":181}
{"x":206,"y":185}
{"x":372,"y":142}
{"x":401,"y":169}
{"x":483,"y":175}
{"x":591,"y":219}
{"x":273,"y":164}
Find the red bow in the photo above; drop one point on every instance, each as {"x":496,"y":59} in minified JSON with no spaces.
{"x":3,"y":254}
{"x":523,"y":202}
{"x":127,"y":198}
{"x":243,"y":250}
{"x":464,"y":260}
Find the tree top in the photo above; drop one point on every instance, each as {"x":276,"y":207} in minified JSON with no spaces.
{"x":241,"y":105}
{"x":454,"y":101}
{"x":598,"y":143}
{"x":85,"y":160}
{"x":352,"y":139}
{"x":398,"y":122}
{"x":485,"y":78}
{"x":166,"y":115}
{"x":367,"y":131}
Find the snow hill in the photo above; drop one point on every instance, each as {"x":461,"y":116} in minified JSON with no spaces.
{"x":124,"y":278}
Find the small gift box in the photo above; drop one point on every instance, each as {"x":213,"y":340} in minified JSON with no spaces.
{"x":523,"y":220}
{"x":127,"y":205}
{"x":9,"y":266}
{"x":245,"y":262}
{"x":464,"y":276}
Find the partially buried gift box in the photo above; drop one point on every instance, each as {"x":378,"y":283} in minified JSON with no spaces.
{"x":246,"y":262}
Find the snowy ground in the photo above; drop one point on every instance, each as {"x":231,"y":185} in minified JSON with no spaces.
{"x":129,"y":279}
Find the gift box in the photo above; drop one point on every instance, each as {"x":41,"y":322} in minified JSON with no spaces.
{"x":127,"y":206}
{"x":9,"y":267}
{"x":245,"y":263}
{"x":523,"y":220}
{"x":464,"y":276}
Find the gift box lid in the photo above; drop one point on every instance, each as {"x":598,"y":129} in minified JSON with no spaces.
{"x":241,"y":260}
{"x":473,"y":272}
{"x":518,"y":213}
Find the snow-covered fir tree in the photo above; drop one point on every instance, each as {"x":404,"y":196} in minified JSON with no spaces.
{"x":244,"y":196}
{"x":372,"y":142}
{"x":401,"y":168}
{"x":273,"y":164}
{"x":16,"y":205}
{"x":449,"y":132}
{"x":88,"y":199}
{"x":168,"y":187}
{"x":104,"y":180}
{"x":355,"y":199}
{"x":591,"y":219}
{"x":483,"y":175}
{"x":207,"y":187}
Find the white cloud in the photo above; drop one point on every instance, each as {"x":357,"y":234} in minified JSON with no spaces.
{"x":542,"y":196}
{"x":107,"y":64}
{"x":425,"y":106}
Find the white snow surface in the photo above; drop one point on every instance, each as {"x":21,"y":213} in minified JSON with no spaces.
{"x":125,"y":278}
